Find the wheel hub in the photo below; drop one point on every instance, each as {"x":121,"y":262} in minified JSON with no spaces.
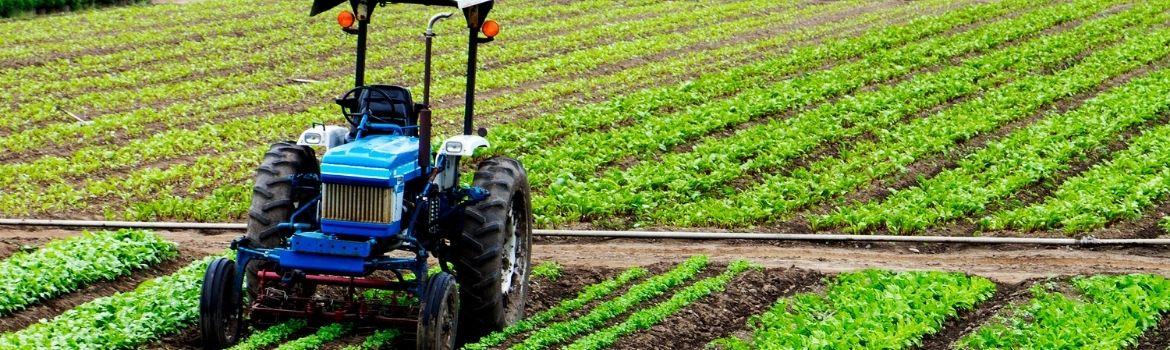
{"x":509,"y":264}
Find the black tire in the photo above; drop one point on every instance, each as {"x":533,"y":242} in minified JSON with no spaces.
{"x":274,"y":200}
{"x":492,"y":257}
{"x":220,"y":305}
{"x":438,"y":321}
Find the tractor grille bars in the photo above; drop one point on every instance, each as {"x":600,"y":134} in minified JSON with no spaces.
{"x":357,"y":203}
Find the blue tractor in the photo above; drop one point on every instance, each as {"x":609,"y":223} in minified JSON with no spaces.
{"x":370,"y":214}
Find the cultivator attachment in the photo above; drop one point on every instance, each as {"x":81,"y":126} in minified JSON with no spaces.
{"x":364,"y":301}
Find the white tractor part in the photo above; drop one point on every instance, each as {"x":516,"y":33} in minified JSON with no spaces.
{"x":327,"y":136}
{"x":456,"y":146}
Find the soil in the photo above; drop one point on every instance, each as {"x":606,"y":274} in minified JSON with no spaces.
{"x":725,"y":313}
{"x":544,"y":293}
{"x":1157,"y":338}
{"x":955,"y":328}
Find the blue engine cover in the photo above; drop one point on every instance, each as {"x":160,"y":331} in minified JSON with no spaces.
{"x":386,"y":161}
{"x":375,"y":160}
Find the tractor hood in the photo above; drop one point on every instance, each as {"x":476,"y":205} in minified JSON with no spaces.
{"x":373,"y":160}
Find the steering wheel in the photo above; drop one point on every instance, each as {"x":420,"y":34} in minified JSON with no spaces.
{"x":362,"y":96}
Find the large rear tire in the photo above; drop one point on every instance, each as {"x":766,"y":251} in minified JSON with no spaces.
{"x":492,"y":252}
{"x":220,"y":305}
{"x":438,"y":322}
{"x":275,"y":199}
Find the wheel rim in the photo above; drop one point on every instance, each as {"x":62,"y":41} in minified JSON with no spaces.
{"x":508,"y":258}
{"x":447,"y":319}
{"x":232,"y":314}
{"x":514,"y":259}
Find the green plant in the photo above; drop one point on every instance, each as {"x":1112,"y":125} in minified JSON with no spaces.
{"x":866,"y":309}
{"x":323,"y":336}
{"x":550,"y":270}
{"x":125,"y":320}
{"x":270,"y":336}
{"x":65,"y":265}
{"x":1111,"y":313}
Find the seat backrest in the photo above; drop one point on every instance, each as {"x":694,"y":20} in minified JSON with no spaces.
{"x":397,"y":109}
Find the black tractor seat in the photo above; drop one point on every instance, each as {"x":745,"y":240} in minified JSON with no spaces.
{"x":389,"y":104}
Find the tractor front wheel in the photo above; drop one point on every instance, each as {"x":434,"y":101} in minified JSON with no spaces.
{"x":492,"y":251}
{"x":220,"y":305}
{"x":440,"y":307}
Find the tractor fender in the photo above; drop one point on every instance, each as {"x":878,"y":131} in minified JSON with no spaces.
{"x":327,"y":136}
{"x":462,"y":145}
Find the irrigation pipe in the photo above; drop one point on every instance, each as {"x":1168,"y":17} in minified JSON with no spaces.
{"x":1085,"y":241}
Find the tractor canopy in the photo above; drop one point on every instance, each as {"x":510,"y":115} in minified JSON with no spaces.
{"x":320,"y":6}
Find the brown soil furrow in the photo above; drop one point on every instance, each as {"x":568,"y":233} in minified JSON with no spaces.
{"x":1157,"y":338}
{"x":723,"y":314}
{"x":711,"y":270}
{"x":955,"y":328}
{"x":53,"y":307}
{"x":653,"y":269}
{"x":543,"y":293}
{"x":930,"y":166}
{"x":11,"y":246}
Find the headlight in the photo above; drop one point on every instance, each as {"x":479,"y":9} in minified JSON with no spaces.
{"x":313,"y":138}
{"x":454,"y":147}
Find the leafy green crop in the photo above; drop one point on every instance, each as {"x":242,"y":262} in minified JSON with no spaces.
{"x":375,"y":341}
{"x":1111,"y":313}
{"x":270,"y":336}
{"x":870,"y":309}
{"x":584,"y":297}
{"x":125,"y":320}
{"x":550,"y":270}
{"x":64,"y":265}
{"x":323,"y":336}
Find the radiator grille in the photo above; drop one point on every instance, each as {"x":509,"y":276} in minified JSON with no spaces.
{"x":357,"y":203}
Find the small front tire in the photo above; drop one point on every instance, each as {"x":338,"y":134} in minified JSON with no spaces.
{"x":221,"y":305}
{"x":438,"y":322}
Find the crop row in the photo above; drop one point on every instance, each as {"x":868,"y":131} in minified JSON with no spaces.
{"x":529,"y":41}
{"x":141,"y":121}
{"x":1111,"y":312}
{"x":717,"y":161}
{"x":322,"y":336}
{"x":869,"y":309}
{"x":290,"y":53}
{"x":601,"y":313}
{"x":270,"y":336}
{"x":223,"y":137}
{"x":645,"y":318}
{"x":65,"y":265}
{"x":574,"y":159}
{"x":584,"y":297}
{"x":584,"y":153}
{"x":1027,"y":157}
{"x":1123,"y":187}
{"x":125,"y":320}
{"x":894,"y":149}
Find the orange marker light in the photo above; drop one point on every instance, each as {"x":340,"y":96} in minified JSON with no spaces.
{"x":491,"y":28}
{"x":345,"y":19}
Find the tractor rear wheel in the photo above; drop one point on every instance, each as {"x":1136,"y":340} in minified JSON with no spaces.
{"x":492,"y":251}
{"x":440,"y":307}
{"x":275,"y":197}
